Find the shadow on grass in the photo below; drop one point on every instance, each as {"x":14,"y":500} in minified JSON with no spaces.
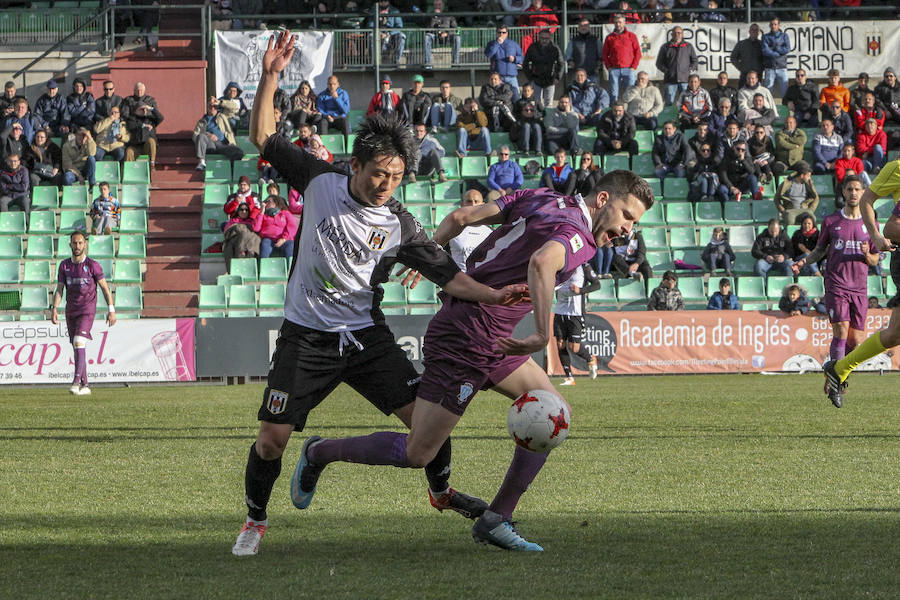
{"x":823,"y":554}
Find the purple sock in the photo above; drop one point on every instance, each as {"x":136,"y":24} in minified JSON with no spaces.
{"x":838,"y":348}
{"x":382,"y":448}
{"x":80,"y":366}
{"x":522,"y":471}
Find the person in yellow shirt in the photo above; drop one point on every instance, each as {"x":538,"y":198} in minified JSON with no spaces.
{"x":836,"y":372}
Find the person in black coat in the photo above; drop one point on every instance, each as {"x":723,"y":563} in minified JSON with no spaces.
{"x":615,"y":132}
{"x":723,"y":90}
{"x":773,"y":249}
{"x":677,"y":60}
{"x":747,"y":54}
{"x":802,"y":97}
{"x":738,"y":173}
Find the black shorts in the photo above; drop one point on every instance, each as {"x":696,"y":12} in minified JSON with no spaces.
{"x":308,"y":365}
{"x":568,"y":328}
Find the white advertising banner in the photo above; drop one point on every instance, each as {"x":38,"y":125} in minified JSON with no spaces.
{"x":239,"y":58}
{"x":852,"y":47}
{"x":131,"y":350}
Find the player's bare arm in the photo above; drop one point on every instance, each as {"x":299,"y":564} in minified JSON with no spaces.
{"x":870,"y":220}
{"x":262,"y":117}
{"x":542,"y":269}
{"x":107,"y":295}
{"x":54,"y":307}
{"x":465,"y":216}
{"x":465,"y":288}
{"x":892,"y":229}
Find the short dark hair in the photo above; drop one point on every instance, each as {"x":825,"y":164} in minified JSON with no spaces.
{"x":621,"y":183}
{"x":834,"y":72}
{"x":386,"y":135}
{"x":724,"y":281}
{"x":774,"y":220}
{"x":670,"y":275}
{"x":103,"y":183}
{"x":280,"y":202}
{"x":77,"y":232}
{"x":850,"y":179}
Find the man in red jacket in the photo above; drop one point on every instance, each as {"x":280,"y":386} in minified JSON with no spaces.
{"x":871,"y":146}
{"x":621,"y":55}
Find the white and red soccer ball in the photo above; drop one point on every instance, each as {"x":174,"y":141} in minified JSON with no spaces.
{"x":539,"y":420}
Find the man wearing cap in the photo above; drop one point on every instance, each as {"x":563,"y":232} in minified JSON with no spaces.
{"x":415,"y":102}
{"x":213,"y":134}
{"x":888,"y":93}
{"x":52,"y":111}
{"x":385,"y":101}
{"x":797,"y":195}
{"x":802,"y":98}
{"x":334,"y":104}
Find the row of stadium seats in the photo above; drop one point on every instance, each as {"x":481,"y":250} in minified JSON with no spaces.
{"x":77,"y":197}
{"x":34,"y":302}
{"x":36,"y":272}
{"x":46,"y":222}
{"x":41,"y":247}
{"x":240,"y":300}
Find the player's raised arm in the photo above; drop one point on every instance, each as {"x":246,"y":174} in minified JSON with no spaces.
{"x":262,"y":116}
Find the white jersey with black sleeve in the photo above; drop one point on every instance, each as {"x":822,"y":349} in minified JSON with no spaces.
{"x":345,"y":249}
{"x":567,"y":302}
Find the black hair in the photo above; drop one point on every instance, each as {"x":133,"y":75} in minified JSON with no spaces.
{"x":724,"y":281}
{"x":620,"y":183}
{"x":388,"y":135}
{"x":850,"y":179}
{"x":670,"y":275}
{"x":77,"y":232}
{"x":280,"y":202}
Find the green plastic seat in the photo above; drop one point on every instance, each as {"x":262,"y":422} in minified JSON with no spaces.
{"x":135,"y":195}
{"x":42,"y":222}
{"x":742,"y":236}
{"x":679,"y":213}
{"x":883,"y":208}
{"x":763,"y":210}
{"x":690,"y":256}
{"x":241,"y":168}
{"x":655,"y":185}
{"x":441,"y":211}
{"x":271,"y":295}
{"x":675,"y":188}
{"x":613,"y":162}
{"x":133,"y":221}
{"x":212,"y":218}
{"x":39,"y":246}
{"x":242,"y":296}
{"x":44,"y":196}
{"x":215,"y":194}
{"x":422,"y":213}
{"x":659,"y":260}
{"x":271,"y":312}
{"x":890,"y":288}
{"x":447,"y":140}
{"x":498,"y":138}
{"x":874,"y":285}
{"x":394,"y":293}
{"x":334,"y":142}
{"x":448,"y":191}
{"x":630,"y":290}
{"x":99,"y":246}
{"x":12,"y":223}
{"x":71,"y":220}
{"x":35,"y":299}
{"x":356,"y":117}
{"x":132,"y":246}
{"x":755,"y":306}
{"x":450,"y":164}
{"x":424,"y":293}
{"x":10,"y":247}
{"x":642,"y":164}
{"x":136,"y":171}
{"x":655,"y":238}
{"x":38,"y":271}
{"x":212,"y":297}
{"x":645,"y":140}
{"x":738,"y":213}
{"x":417,"y":192}
{"x":653,"y":215}
{"x":824,"y":184}
{"x":127,"y":270}
{"x":208,"y":240}
{"x":129,"y":298}
{"x":106,"y":264}
{"x":108,"y":171}
{"x":74,"y":197}
{"x":692,"y":289}
{"x":708,"y":212}
{"x":243,"y":142}
{"x":815,"y":286}
{"x":605,"y":297}
{"x":744,"y":263}
{"x":273,"y":268}
{"x":682,"y":237}
{"x":9,"y":271}
{"x":473,"y":167}
{"x":229,"y":280}
{"x":775,"y":285}
{"x":245,"y":267}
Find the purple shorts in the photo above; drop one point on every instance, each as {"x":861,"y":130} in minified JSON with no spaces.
{"x":79,"y":325}
{"x":845,"y":306}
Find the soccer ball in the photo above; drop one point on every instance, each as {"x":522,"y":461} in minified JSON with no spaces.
{"x":538,"y":420}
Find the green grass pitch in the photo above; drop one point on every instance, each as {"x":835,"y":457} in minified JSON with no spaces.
{"x":682,"y":487}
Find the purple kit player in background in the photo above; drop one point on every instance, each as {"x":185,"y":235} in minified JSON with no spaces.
{"x":846,"y":242}
{"x":80,"y":276}
{"x":544,"y":236}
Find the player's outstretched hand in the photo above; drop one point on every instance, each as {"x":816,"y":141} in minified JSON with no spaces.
{"x":533,"y":343}
{"x":279,"y":53}
{"x":111,"y":318}
{"x":512,"y":294}
{"x":412,"y":278}
{"x":882,"y":244}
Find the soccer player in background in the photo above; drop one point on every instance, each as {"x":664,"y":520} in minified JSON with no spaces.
{"x":568,"y":322}
{"x":80,"y":277}
{"x":837,"y":372}
{"x":542,"y":238}
{"x":353,"y":232}
{"x":462,"y":245}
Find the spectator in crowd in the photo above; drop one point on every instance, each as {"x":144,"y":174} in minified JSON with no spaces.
{"x":232,"y":105}
{"x":655,"y":12}
{"x":703,"y":136}
{"x":849,"y":164}
{"x":559,"y":176}
{"x":738,"y":13}
{"x":312,"y":143}
{"x":443,"y":31}
{"x":758,"y":115}
{"x":762,"y":152}
{"x":694,"y":104}
{"x":51,"y":110}
{"x":21,"y":115}
{"x":142,"y":117}
{"x":529,"y":114}
{"x":615,"y":132}
{"x":561,"y":128}
{"x":391,"y":27}
{"x":796,"y":195}
{"x":621,"y":55}
{"x":112,"y":135}
{"x":496,"y":98}
{"x":472,"y":129}
{"x":281,"y":100}
{"x":772,"y":249}
{"x":587,"y":175}
{"x":644,"y":102}
{"x":834,"y":91}
{"x":15,"y":186}
{"x":148,"y":19}
{"x":724,"y":299}
{"x":7,"y":99}
{"x":104,"y":212}
{"x":212,"y":135}
{"x":444,"y":107}
{"x":513,"y":10}
{"x":276,"y":227}
{"x":857,"y":93}
{"x":625,"y":10}
{"x":43,"y":159}
{"x":104,"y":104}
{"x":671,"y":152}
{"x":630,"y":258}
{"x":13,"y":142}
{"x":667,"y":296}
{"x":723,"y":90}
{"x":733,"y":134}
{"x":415,"y":104}
{"x":585,"y":51}
{"x":242,"y":195}
{"x":802,"y":99}
{"x":803,"y":242}
{"x":78,"y":158}
{"x":588,"y":99}
{"x":677,"y":60}
{"x":719,"y":119}
{"x":712,"y":14}
{"x":718,"y":253}
{"x":775,"y":47}
{"x":789,"y":145}
{"x":303,"y":106}
{"x":431,"y":152}
{"x":504,"y":176}
{"x":703,"y":175}
{"x":334,"y":104}
{"x":240,"y":241}
{"x":843,"y":124}
{"x":826,"y":148}
{"x":888,"y":93}
{"x":506,"y":59}
{"x":749,"y":90}
{"x":873,"y":302}
{"x":871,"y":146}
{"x":868,"y":110}
{"x":472,"y":235}
{"x":747,"y":54}
{"x":738,"y":173}
{"x":537,"y":18}
{"x":384,"y":101}
{"x":283,"y":128}
{"x":794,"y":301}
{"x":80,"y":105}
{"x":543,"y":66}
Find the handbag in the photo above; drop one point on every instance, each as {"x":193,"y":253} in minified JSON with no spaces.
{"x":43,"y":170}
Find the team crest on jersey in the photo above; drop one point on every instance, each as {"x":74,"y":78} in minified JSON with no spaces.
{"x":377,"y":238}
{"x":839,"y":244}
{"x":277,"y":402}
{"x":576,"y":243}
{"x":465,"y":391}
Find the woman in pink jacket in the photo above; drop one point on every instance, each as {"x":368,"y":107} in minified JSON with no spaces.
{"x":277,"y":227}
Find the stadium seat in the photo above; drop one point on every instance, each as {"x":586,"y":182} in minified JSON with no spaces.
{"x":106,"y":264}
{"x":356,"y":117}
{"x":212,"y":297}
{"x":679,"y":213}
{"x":38,"y":271}
{"x":642,"y":164}
{"x":394,"y":310}
{"x":245,"y":267}
{"x":10,"y":247}
{"x":890,"y":288}
{"x":708,"y":212}
{"x":245,"y":167}
{"x":620,"y":160}
{"x":874,"y":285}
{"x":417,"y":192}
{"x":71,"y":220}
{"x":659,"y":260}
{"x":883,"y":208}
{"x":824,"y":184}
{"x":334,"y":142}
{"x":209,"y":241}
{"x":755,"y":306}
{"x":441,"y":211}
{"x":655,"y":238}
{"x":682,"y":237}
{"x":424,"y":293}
{"x":690,"y":256}
{"x":447,"y":191}
{"x":742,"y":236}
{"x":675,"y":188}
{"x":815,"y":285}
{"x":215,"y":194}
{"x":62,"y":247}
{"x":631,"y":291}
{"x":243,"y":142}
{"x":656,"y":186}
{"x":12,"y":223}
{"x":654,"y":215}
{"x":422,"y":309}
{"x":775,"y":285}
{"x":133,"y":221}
{"x":217,"y":171}
{"x":127,"y":271}
{"x":273,"y":268}
{"x":9,"y":271}
{"x":35,"y":299}
{"x":744,"y":263}
{"x":704,"y":235}
{"x":751,"y":287}
{"x":42,"y":221}
{"x":531,"y":183}
{"x":692,"y":289}
{"x":39,"y":246}
{"x":271,"y":295}
{"x":75,"y":197}
{"x":447,"y":140}
{"x":211,"y":218}
{"x":605,"y":297}
{"x":451,"y":166}
{"x":473,"y":167}
{"x":100,"y":246}
{"x":763,"y":210}
{"x":645,"y":140}
{"x":137,"y":171}
{"x":44,"y":196}
{"x":129,"y":298}
{"x":422,"y":212}
{"x":136,"y":195}
{"x":738,"y":213}
{"x":132,"y":246}
{"x":108,"y":171}
{"x":227,"y":281}
{"x":394,"y":293}
{"x":242,"y":297}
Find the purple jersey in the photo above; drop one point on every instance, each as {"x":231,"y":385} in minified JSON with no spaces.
{"x":80,"y":280}
{"x":847,"y":269}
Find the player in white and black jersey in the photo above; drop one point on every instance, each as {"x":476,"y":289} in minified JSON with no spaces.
{"x":568,"y":320}
{"x":353,"y":232}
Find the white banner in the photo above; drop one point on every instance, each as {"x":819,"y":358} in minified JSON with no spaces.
{"x":131,"y":350}
{"x":239,"y":58}
{"x":852,"y":47}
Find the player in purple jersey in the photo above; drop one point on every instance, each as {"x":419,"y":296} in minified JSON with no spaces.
{"x":80,"y":277}
{"x":846,"y":243}
{"x":542,"y":238}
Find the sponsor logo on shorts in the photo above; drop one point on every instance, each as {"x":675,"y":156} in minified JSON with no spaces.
{"x":277,"y":402}
{"x":413,"y":382}
{"x":377,"y":237}
{"x":576,"y":243}
{"x":465,"y":391}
